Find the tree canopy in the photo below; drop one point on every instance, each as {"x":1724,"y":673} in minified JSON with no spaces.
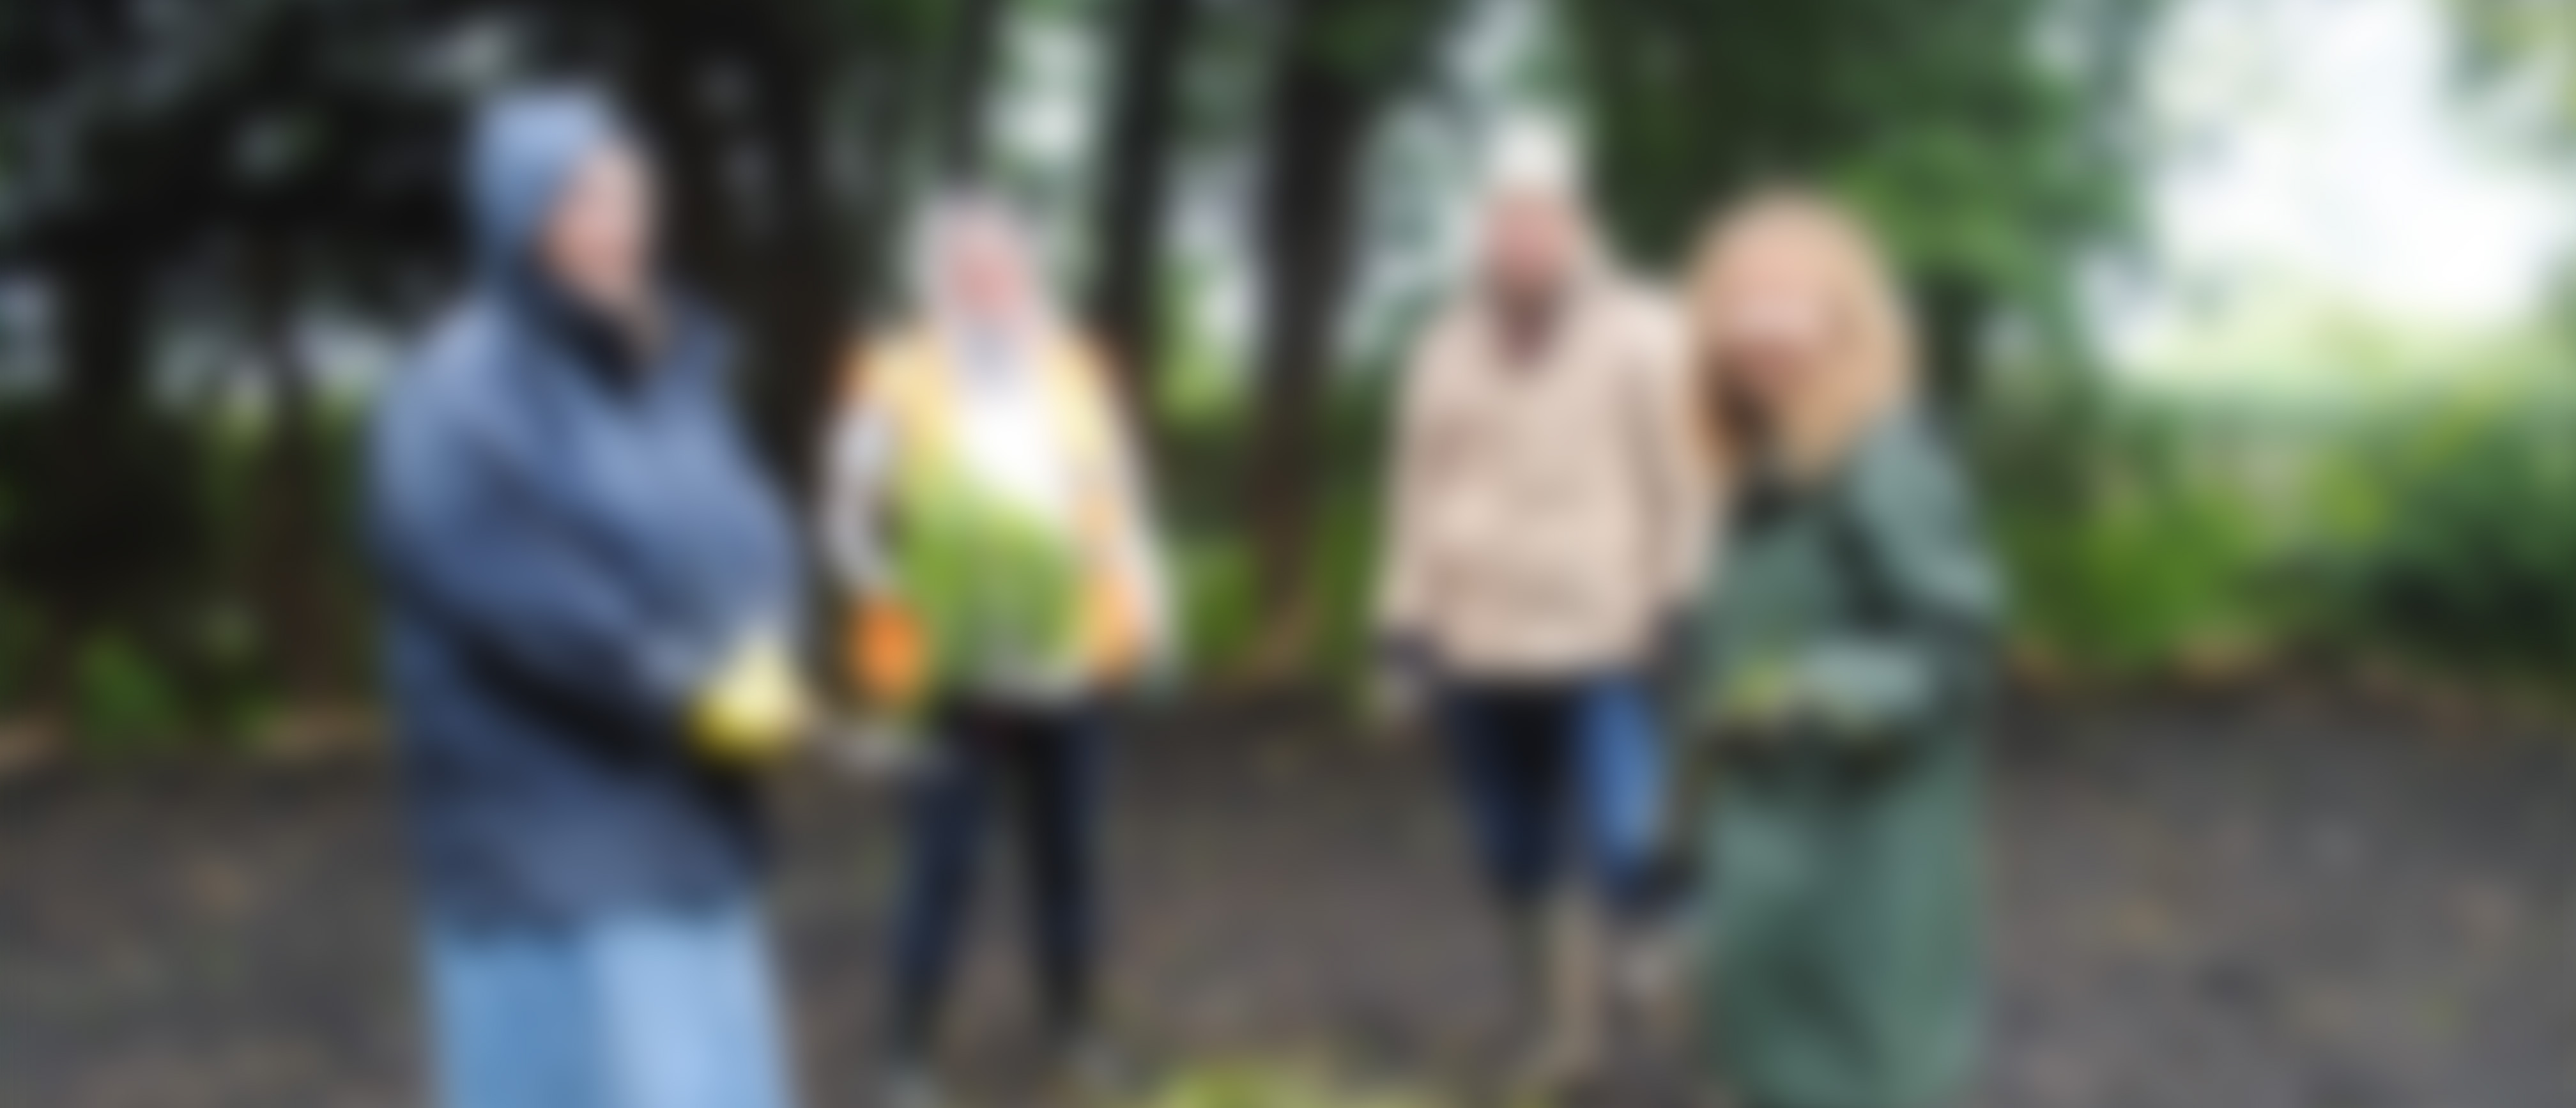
{"x":227,"y":172}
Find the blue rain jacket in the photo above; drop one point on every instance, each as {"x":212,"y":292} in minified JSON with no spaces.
{"x":569,"y":533}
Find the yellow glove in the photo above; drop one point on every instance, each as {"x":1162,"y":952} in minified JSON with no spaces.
{"x":753,"y":709}
{"x":1759,"y":699}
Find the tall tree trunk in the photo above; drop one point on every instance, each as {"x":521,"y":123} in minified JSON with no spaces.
{"x":689,"y":153}
{"x":802,"y":275}
{"x":775,"y":260}
{"x":1135,"y":192}
{"x":974,"y":40}
{"x":287,"y":575}
{"x":98,"y":512}
{"x":1317,"y":128}
{"x":885,"y":113}
{"x":1340,"y":63}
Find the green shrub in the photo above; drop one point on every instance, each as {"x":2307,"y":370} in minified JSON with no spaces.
{"x":1213,"y":582}
{"x":232,"y":684}
{"x":2467,"y":555}
{"x":2132,"y":585}
{"x":2127,"y":532}
{"x":1248,"y":1086}
{"x":122,"y":702}
{"x":1212,"y":531}
{"x":2433,"y":522}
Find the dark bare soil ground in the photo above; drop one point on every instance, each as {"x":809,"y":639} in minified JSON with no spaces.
{"x":2247,"y":904}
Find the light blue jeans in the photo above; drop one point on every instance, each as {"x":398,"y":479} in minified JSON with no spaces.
{"x":1563,"y":781}
{"x":667,"y":1009}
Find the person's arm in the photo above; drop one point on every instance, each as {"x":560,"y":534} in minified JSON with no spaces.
{"x":470,"y":541}
{"x":1932,"y":597}
{"x":887,"y":646}
{"x":1406,"y":665}
{"x":858,"y":460}
{"x":1139,"y":556}
{"x":1682,"y":491}
{"x":1411,"y":490}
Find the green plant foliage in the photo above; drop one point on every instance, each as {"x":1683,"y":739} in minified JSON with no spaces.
{"x":122,"y":700}
{"x":2467,"y":551}
{"x":1213,"y":560}
{"x":1219,"y":611}
{"x":2135,"y":550}
{"x":2526,"y":47}
{"x":2431,"y":522}
{"x":1981,"y":133}
{"x":1252,"y":1086}
{"x":232,"y":691}
{"x":997,"y":582}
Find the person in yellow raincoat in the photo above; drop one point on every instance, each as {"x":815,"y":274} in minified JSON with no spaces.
{"x":991,"y":525}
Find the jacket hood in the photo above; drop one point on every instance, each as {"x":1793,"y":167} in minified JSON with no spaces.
{"x":525,"y":148}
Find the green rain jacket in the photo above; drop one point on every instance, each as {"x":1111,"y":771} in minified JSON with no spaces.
{"x":1848,"y":665}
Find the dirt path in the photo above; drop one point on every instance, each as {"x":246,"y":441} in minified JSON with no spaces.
{"x":2224,"y":906}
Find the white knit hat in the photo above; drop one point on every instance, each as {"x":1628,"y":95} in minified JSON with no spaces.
{"x":1534,"y":154}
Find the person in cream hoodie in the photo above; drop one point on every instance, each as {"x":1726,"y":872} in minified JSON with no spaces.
{"x":1547,"y":524}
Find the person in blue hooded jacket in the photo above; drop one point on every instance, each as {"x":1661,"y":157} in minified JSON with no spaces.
{"x":588,"y":593}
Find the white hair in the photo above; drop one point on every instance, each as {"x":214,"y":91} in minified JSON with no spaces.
{"x":1534,"y":155}
{"x":950,"y":218}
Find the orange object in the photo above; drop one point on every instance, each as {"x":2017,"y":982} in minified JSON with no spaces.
{"x":891,"y":657}
{"x":889,"y":654}
{"x":1112,"y":632}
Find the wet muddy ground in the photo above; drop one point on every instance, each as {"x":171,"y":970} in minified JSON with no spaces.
{"x":2251,"y":903}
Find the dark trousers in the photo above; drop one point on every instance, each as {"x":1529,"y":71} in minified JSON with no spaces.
{"x":1561,"y":780}
{"x":1044,"y":767}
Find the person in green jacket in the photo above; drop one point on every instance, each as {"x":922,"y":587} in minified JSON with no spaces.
{"x":1844,"y":677}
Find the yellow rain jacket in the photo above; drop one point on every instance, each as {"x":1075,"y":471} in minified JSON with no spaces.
{"x":990,"y":520}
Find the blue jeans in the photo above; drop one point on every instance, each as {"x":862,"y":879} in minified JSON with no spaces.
{"x":1045,"y":766}
{"x":653,"y":1009}
{"x":1560,"y":778}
